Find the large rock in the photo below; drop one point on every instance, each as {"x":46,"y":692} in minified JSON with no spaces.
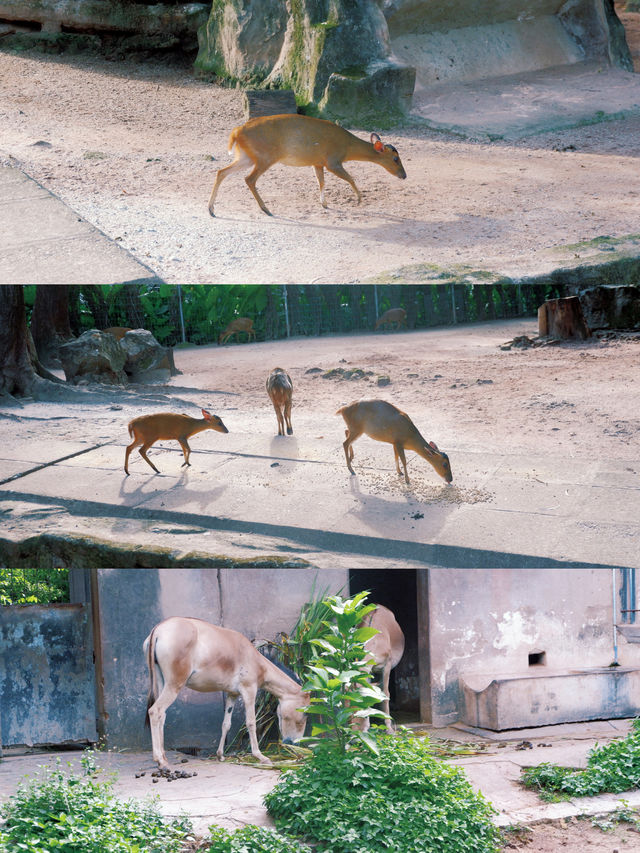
{"x":611,"y":306}
{"x":145,"y":357}
{"x":334,"y":56}
{"x":94,"y":357}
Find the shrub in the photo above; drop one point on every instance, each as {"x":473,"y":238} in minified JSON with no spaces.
{"x":402,"y":799}
{"x":61,"y":813}
{"x":252,"y":839}
{"x":614,"y":767}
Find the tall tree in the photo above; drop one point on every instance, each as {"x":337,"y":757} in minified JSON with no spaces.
{"x":19,"y":366}
{"x":50,"y":320}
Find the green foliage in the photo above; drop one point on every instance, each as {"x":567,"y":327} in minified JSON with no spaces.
{"x":623,"y":814}
{"x":339,"y":678}
{"x":401,"y":799}
{"x":34,"y":586}
{"x":614,"y":767}
{"x":69,"y":813}
{"x":252,"y":839}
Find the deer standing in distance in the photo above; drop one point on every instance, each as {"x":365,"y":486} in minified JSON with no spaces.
{"x":208,"y":658}
{"x":280,"y":391}
{"x":148,"y":429}
{"x":240,"y":324}
{"x":384,"y":650}
{"x":393,"y":315}
{"x":297,"y":140}
{"x":382,"y":421}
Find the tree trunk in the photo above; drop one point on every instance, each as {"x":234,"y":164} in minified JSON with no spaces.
{"x":562,"y":319}
{"x":17,"y":375}
{"x":50,"y":321}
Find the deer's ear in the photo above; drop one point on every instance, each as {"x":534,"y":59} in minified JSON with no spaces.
{"x":434,"y":445}
{"x":206,"y":414}
{"x":377,"y":142}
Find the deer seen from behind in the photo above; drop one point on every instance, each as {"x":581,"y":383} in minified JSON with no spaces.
{"x":280,"y":391}
{"x":382,"y":421}
{"x":297,"y":140}
{"x":240,"y":324}
{"x":163,"y":426}
{"x":393,"y":315}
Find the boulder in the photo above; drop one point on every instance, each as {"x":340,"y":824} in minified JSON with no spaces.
{"x":144,"y":356}
{"x":611,"y":306}
{"x":337,"y":59}
{"x":93,"y":357}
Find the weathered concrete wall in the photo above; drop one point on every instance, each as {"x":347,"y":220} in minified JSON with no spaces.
{"x":47,"y":688}
{"x":257,"y":602}
{"x":484,"y":624}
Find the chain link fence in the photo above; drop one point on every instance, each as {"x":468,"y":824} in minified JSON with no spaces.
{"x":199,"y":313}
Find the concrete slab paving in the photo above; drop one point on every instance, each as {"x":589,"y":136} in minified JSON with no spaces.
{"x":46,"y":242}
{"x":230,"y":794}
{"x":514,"y":106}
{"x":298,"y":498}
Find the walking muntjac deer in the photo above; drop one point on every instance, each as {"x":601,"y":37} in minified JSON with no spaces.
{"x":240,"y":324}
{"x":384,"y":422}
{"x":393,"y":315}
{"x":280,"y":390}
{"x":297,"y":140}
{"x":148,"y":429}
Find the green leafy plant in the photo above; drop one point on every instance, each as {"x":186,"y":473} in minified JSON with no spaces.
{"x":33,"y":586}
{"x":404,"y":799}
{"x":614,"y":767}
{"x":339,"y":677}
{"x":252,"y":839}
{"x":70,"y":813}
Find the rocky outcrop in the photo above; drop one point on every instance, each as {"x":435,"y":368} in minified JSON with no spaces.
{"x":611,"y":306}
{"x":145,"y":358}
{"x":334,"y":54}
{"x":94,"y":357}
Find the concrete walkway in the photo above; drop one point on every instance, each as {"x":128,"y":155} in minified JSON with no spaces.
{"x":533,"y":511}
{"x":230,"y":794}
{"x":45,"y":242}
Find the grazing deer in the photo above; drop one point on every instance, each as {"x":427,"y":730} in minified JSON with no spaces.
{"x":297,"y":140}
{"x":382,"y":421}
{"x":280,"y":390}
{"x":240,"y":324}
{"x":393,"y":315}
{"x":148,"y":429}
{"x":385,"y":650}
{"x":207,"y":658}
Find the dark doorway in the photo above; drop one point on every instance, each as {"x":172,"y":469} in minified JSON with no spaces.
{"x":397,"y":590}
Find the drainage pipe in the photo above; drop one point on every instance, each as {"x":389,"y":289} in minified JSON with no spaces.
{"x":615,"y":630}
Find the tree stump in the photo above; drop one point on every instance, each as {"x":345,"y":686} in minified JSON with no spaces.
{"x":562,"y":319}
{"x":269,"y":102}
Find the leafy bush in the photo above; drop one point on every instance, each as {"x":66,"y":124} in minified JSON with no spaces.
{"x":33,"y":586}
{"x":402,"y":799}
{"x":252,"y":839}
{"x":614,"y":767}
{"x":78,"y":814}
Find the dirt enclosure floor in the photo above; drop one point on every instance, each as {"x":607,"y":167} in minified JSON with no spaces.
{"x":542,"y":443}
{"x":133,"y":147}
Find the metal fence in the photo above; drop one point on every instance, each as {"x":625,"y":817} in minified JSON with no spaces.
{"x":34,"y":586}
{"x":198,"y":313}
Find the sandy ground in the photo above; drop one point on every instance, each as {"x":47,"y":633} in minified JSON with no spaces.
{"x":597,"y":835}
{"x":134,"y":148}
{"x":459,"y":387}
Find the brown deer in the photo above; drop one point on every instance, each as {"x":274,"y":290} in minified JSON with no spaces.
{"x":207,"y":658}
{"x":148,"y":429}
{"x":240,"y":324}
{"x":393,"y":315}
{"x":280,"y":391}
{"x":382,"y":421}
{"x":297,"y":140}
